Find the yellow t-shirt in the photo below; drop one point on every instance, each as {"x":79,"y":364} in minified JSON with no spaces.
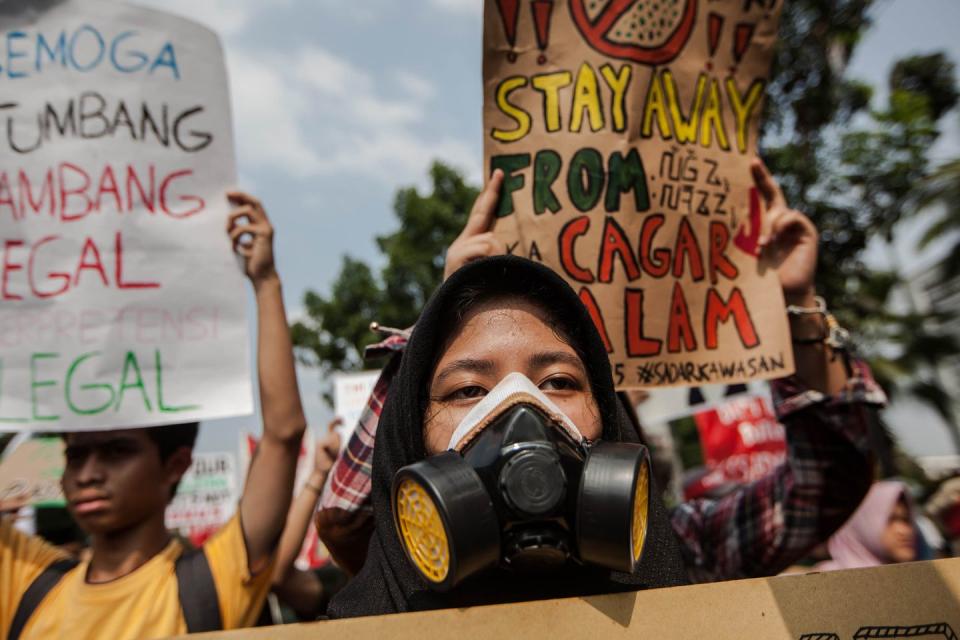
{"x":142,"y":604}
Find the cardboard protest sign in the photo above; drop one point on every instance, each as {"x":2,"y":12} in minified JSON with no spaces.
{"x":625,"y":129}
{"x":34,"y":469}
{"x":121,"y":303}
{"x":917,"y":600}
{"x":206,"y":498}
{"x":741,"y":440}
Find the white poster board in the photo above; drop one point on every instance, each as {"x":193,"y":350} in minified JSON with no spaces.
{"x":121,"y":303}
{"x":206,"y":498}
{"x":662,"y":405}
{"x":350,"y":394}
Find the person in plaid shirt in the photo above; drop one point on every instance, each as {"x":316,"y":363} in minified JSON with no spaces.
{"x":761,"y":528}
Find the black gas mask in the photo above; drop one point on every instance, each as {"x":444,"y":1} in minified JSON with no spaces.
{"x":520,"y":488}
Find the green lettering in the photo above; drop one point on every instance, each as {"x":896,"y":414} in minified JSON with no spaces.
{"x":68,"y":388}
{"x":546,"y":168}
{"x":130,"y":362}
{"x":627,"y":174}
{"x":511,"y":183}
{"x":34,"y":385}
{"x":164,"y":408}
{"x":585,"y":179}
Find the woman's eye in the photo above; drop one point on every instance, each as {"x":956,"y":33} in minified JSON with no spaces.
{"x":467,"y":393}
{"x":559,"y":383}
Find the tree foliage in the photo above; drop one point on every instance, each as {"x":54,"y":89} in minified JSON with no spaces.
{"x":942,"y":188}
{"x":855,"y":168}
{"x":851,"y":168}
{"x":885,"y":166}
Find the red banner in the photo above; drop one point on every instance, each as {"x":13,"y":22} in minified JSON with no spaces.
{"x":742,"y":441}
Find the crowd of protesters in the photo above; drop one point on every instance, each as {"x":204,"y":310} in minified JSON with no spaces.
{"x":493,"y":317}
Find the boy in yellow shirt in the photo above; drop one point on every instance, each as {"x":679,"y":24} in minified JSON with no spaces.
{"x":139,"y":581}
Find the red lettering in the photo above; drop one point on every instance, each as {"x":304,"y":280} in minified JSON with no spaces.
{"x":46,"y":193}
{"x":748,"y":242}
{"x":121,"y":284}
{"x":719,"y":239}
{"x":568,"y":238}
{"x":108,"y":185}
{"x":680,"y":327}
{"x":638,"y":345}
{"x":9,"y":267}
{"x":186,"y":213}
{"x":615,"y":244}
{"x":594,"y":310}
{"x":71,"y":192}
{"x":90,"y":247}
{"x":147,"y":200}
{"x":656,"y":262}
{"x":718,"y":311}
{"x":66,"y":193}
{"x":687,"y":246}
{"x":63,"y":277}
{"x":49,"y":284}
{"x":6,"y":196}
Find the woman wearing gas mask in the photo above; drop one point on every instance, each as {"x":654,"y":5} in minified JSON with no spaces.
{"x":758,"y":530}
{"x":502,"y":470}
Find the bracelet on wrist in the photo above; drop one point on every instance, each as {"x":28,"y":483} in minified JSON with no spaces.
{"x":820,"y":308}
{"x":833,"y":335}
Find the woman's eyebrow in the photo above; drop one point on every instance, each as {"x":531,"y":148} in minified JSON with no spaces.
{"x":543,"y":359}
{"x":470,"y":365}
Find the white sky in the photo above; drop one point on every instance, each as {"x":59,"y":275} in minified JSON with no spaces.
{"x":337,"y":104}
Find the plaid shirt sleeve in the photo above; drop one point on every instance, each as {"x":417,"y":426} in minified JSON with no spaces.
{"x":765,"y":526}
{"x":349,"y":486}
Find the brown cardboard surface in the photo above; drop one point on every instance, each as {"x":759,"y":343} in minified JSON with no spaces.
{"x":626,"y":129}
{"x":34,"y":469}
{"x":917,"y":600}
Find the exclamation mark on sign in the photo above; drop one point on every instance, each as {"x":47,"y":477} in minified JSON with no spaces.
{"x":741,"y":39}
{"x":714,"y":29}
{"x":509,"y":13}
{"x":542,"y":9}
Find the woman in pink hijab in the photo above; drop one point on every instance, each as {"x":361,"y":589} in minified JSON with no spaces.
{"x":881,"y":531}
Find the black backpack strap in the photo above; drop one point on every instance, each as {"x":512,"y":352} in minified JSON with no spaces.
{"x":198,"y":592}
{"x":35,"y":594}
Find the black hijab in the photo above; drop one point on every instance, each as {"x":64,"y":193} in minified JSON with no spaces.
{"x":387,"y":583}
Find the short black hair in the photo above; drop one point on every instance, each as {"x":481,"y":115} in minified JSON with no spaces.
{"x":171,"y":437}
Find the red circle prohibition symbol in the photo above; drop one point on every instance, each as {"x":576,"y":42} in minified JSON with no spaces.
{"x":598,"y":31}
